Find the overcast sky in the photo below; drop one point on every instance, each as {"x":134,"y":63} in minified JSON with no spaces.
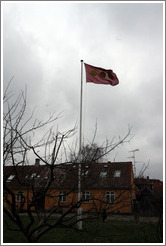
{"x":43,"y":43}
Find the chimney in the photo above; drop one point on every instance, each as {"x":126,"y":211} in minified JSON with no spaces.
{"x":147,"y":177}
{"x":37,"y":162}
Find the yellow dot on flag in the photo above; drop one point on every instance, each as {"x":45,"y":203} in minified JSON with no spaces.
{"x":102,"y":75}
{"x":93,"y":73}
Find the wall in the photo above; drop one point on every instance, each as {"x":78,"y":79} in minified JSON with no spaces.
{"x":122,"y":203}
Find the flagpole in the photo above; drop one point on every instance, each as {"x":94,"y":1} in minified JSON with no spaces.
{"x":80,"y":146}
{"x":81,"y":93}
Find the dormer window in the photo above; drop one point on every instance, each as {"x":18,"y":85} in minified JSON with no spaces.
{"x":10,"y":178}
{"x":33,"y":175}
{"x":117,"y":174}
{"x":103,"y":174}
{"x":84,"y":173}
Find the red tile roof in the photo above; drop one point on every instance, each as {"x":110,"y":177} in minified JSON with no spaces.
{"x":156,"y":184}
{"x":93,"y":176}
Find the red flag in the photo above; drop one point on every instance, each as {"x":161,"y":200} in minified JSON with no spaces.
{"x":100,"y":75}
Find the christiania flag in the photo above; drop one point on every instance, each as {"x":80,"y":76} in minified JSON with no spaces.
{"x":100,"y":75}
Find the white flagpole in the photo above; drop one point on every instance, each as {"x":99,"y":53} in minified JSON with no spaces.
{"x":80,"y":146}
{"x":81,"y":93}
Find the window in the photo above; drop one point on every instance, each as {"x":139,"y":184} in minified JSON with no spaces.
{"x":117,"y":174}
{"x":151,"y":186}
{"x":19,"y":196}
{"x":103,"y":174}
{"x":84,"y":173}
{"x":110,"y":196}
{"x":10,"y":178}
{"x":33,"y":175}
{"x":86,"y":197}
{"x":62,"y":196}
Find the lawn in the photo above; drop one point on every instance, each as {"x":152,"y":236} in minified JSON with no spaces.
{"x":93,"y":232}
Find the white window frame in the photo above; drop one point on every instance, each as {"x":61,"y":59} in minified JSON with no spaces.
{"x":117,"y":174}
{"x":110,"y":196}
{"x":62,"y":196}
{"x":19,"y":195}
{"x":86,"y":197}
{"x":103,"y":174}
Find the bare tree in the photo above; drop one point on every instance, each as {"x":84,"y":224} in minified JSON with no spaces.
{"x":143,"y":169}
{"x":87,"y":154}
{"x":18,"y":144}
{"x":150,"y":197}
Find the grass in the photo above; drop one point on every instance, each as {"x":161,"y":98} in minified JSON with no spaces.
{"x":93,"y":232}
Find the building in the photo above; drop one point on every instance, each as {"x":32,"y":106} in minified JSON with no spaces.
{"x":44,"y":187}
{"x":149,"y":194}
